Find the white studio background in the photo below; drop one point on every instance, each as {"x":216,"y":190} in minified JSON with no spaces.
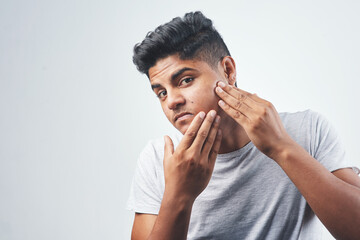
{"x":75,"y":113}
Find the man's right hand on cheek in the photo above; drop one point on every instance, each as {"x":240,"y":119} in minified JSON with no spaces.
{"x":188,"y":169}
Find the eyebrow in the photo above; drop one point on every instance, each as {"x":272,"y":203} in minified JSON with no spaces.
{"x":175,"y":75}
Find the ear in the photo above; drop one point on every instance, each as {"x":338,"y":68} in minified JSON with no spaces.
{"x":229,"y":68}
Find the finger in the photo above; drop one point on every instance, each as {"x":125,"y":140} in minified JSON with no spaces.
{"x":237,"y":104}
{"x":235,"y":114}
{"x":191,"y":132}
{"x":215,"y":148}
{"x":211,"y":138}
{"x":240,"y":93}
{"x":237,"y":95}
{"x":203,"y":132}
{"x":258,"y":99}
{"x":252,"y":100}
{"x":168,"y":148}
{"x":233,"y":91}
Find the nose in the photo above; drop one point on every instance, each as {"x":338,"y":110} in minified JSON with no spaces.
{"x":175,"y":99}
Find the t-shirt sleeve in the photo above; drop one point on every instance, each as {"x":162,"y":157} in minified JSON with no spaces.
{"x":327,"y":146}
{"x":145,"y":192}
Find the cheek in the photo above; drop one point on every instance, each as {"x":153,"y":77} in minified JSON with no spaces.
{"x":207,"y":99}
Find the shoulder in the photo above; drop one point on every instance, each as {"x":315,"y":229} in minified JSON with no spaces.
{"x":306,"y":127}
{"x":300,"y":116}
{"x":308,"y":120}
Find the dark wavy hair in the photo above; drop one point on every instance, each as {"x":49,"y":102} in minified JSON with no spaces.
{"x":191,"y":37}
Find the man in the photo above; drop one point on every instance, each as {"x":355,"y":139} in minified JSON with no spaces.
{"x":241,"y":170}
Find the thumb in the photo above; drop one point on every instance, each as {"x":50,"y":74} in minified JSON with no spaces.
{"x":169,"y":147}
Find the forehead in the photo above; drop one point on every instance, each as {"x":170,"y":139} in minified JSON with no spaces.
{"x":166,"y":67}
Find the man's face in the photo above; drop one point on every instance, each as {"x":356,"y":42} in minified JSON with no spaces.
{"x":184,"y":88}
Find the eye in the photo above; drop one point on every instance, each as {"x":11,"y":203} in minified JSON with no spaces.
{"x":186,"y":81}
{"x":161,"y":94}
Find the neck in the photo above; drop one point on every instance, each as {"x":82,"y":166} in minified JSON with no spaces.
{"x":234,"y":135}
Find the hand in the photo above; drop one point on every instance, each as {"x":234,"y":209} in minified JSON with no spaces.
{"x":257,"y":116}
{"x":188,"y":170}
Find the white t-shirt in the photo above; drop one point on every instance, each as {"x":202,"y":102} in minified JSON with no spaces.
{"x":249,"y":196}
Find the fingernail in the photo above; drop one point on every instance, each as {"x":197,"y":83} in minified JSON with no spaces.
{"x":219,"y":89}
{"x":217,"y":119}
{"x":221,"y":84}
{"x":212,"y":113}
{"x":221,"y":103}
{"x":202,"y":115}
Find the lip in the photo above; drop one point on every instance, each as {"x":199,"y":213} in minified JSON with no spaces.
{"x":180,"y":115}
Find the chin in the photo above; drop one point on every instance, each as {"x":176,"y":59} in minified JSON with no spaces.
{"x":183,"y":128}
{"x":183,"y":131}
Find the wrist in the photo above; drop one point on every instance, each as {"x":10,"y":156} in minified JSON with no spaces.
{"x":173,"y":219}
{"x":180,"y":201}
{"x":284,"y":151}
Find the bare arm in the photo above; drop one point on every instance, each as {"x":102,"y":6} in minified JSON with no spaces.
{"x":187,"y":172}
{"x":334,"y":198}
{"x":142,"y":226}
